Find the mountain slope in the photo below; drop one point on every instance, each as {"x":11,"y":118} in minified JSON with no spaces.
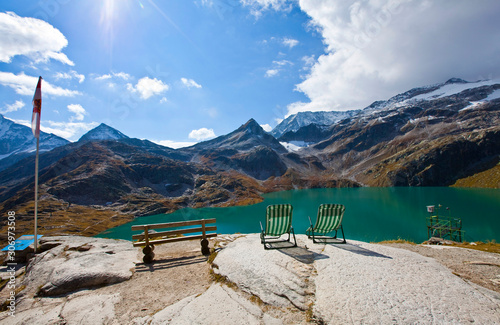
{"x":249,"y":150}
{"x":81,"y":183}
{"x":409,"y":143}
{"x":246,"y":137}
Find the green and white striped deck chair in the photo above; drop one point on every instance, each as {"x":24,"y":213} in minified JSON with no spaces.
{"x":278,"y":223}
{"x":329,"y":219}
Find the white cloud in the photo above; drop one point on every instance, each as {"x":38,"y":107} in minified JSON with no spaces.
{"x":163,"y":100}
{"x":282,"y":63}
{"x":78,"y":110}
{"x":71,"y":131}
{"x":121,"y":75}
{"x":31,"y":37}
{"x":173,"y":144}
{"x":290,"y":42}
{"x":25,"y":85}
{"x":70,"y":75}
{"x":379,"y":48}
{"x":266,"y":127}
{"x":308,"y":61}
{"x":257,"y":7}
{"x":190,"y":83}
{"x":277,"y":67}
{"x":103,"y":77}
{"x":13,"y":107}
{"x":272,"y":73}
{"x":202,"y":134}
{"x":147,"y":87}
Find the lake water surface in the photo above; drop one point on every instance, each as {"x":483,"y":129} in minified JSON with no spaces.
{"x":372,"y":214}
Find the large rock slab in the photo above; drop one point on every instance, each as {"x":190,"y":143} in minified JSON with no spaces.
{"x":363,"y":283}
{"x":218,"y":305}
{"x":80,"y":308}
{"x":74,"y":263}
{"x":279,"y":277}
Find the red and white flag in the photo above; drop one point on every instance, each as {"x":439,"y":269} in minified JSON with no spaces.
{"x":37,"y":109}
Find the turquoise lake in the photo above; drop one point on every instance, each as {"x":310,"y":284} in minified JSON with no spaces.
{"x":372,"y":214}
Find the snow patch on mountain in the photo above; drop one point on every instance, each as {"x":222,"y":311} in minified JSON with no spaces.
{"x":294,"y":146}
{"x":454,"y":88}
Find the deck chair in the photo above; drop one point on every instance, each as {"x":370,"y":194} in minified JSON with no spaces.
{"x":278,"y":223}
{"x":329,"y":220}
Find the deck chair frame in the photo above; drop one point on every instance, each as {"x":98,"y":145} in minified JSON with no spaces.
{"x":323,"y":227}
{"x":277,"y":226}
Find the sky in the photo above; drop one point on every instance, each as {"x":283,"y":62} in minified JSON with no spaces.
{"x":178,"y":72}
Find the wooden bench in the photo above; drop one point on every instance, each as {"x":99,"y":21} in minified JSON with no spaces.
{"x":148,"y":239}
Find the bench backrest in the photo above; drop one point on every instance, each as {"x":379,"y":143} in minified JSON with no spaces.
{"x":147,"y":237}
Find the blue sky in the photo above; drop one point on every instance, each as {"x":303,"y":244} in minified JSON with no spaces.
{"x":181,"y":71}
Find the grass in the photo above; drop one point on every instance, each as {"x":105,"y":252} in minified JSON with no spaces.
{"x":487,"y":179}
{"x":489,"y":246}
{"x":397,"y":241}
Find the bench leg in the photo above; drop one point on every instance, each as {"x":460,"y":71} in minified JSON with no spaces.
{"x":205,"y":250}
{"x":149,"y":255}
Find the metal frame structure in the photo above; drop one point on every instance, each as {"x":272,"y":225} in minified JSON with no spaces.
{"x":444,"y":227}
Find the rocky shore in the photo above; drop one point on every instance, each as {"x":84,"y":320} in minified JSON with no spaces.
{"x":82,"y":280}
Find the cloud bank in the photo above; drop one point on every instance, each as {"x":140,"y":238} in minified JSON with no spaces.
{"x":378,"y":48}
{"x":25,"y":85}
{"x":31,"y":37}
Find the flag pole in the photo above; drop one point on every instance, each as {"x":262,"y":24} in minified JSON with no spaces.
{"x":35,"y":127}
{"x":36,"y":193}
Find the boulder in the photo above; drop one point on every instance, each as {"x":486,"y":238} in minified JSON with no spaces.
{"x":79,"y":263}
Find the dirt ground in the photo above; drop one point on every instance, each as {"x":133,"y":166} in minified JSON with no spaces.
{"x":179,"y":271}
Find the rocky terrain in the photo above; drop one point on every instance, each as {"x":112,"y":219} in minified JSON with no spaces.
{"x":101,"y":281}
{"x":440,"y":135}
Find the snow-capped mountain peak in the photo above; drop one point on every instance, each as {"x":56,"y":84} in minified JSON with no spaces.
{"x":103,"y":132}
{"x":301,"y":119}
{"x":17,"y":141}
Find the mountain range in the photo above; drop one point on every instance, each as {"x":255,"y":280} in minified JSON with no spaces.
{"x":438,"y":135}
